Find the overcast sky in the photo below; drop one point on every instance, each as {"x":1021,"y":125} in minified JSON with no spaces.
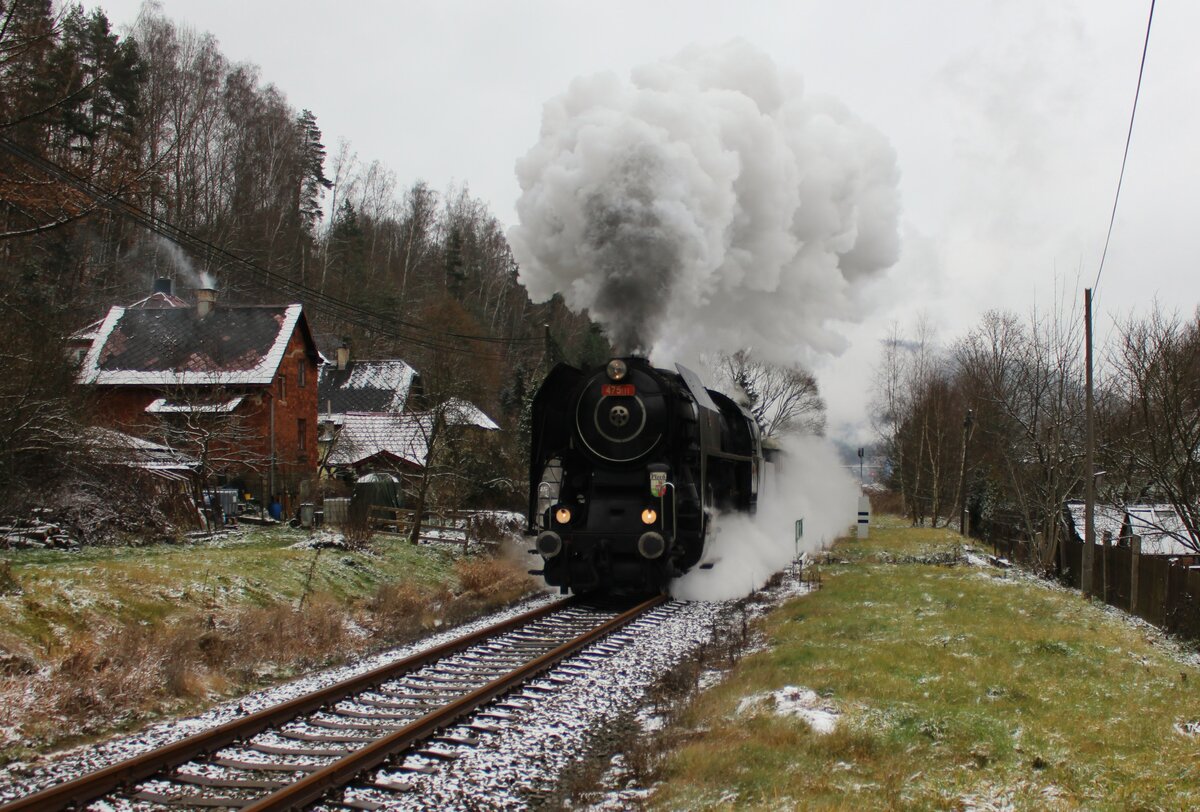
{"x":1008,"y":120}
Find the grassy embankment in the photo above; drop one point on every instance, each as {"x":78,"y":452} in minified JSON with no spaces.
{"x":958,"y":686}
{"x":103,"y":639}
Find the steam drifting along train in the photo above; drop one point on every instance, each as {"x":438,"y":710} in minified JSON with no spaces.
{"x":628,"y":465}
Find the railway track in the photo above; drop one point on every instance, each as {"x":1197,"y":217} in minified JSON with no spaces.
{"x":330,"y":745}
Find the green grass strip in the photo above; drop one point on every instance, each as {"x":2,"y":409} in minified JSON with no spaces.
{"x":958,"y":687}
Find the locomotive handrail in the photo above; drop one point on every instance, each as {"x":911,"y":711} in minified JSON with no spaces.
{"x":674,"y":509}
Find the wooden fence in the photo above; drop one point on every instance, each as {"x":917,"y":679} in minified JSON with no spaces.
{"x":455,"y":526}
{"x":1168,"y":590}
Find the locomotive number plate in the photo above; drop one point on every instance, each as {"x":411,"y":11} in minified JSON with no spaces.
{"x":616,"y":390}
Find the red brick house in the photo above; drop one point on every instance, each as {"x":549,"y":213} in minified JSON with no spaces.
{"x":233,"y":385}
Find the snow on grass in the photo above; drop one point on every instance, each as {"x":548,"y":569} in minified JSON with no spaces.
{"x":790,"y":700}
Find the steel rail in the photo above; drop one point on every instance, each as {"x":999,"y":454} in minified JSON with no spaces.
{"x":315,"y":785}
{"x":85,"y":788}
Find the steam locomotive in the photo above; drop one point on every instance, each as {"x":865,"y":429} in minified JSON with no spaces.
{"x":628,"y":466}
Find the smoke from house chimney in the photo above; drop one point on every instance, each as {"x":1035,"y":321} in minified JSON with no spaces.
{"x":343,"y":355}
{"x":206,"y":297}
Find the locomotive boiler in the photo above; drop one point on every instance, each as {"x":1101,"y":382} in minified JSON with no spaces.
{"x":628,"y":466}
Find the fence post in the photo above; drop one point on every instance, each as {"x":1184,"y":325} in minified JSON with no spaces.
{"x":1135,"y":556}
{"x":1104,"y":565}
{"x":1167,"y":613}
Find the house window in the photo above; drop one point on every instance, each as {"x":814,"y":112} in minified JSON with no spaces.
{"x":300,"y":372}
{"x":301,"y":434}
{"x":283,"y":388}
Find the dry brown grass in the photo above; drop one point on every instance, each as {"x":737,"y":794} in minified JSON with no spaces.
{"x":117,"y":675}
{"x":403,"y":611}
{"x":492,"y":579}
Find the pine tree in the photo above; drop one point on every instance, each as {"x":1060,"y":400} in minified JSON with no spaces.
{"x":313,"y":182}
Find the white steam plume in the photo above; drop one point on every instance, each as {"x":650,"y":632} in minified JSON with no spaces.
{"x":813,"y":486}
{"x":706,"y":204}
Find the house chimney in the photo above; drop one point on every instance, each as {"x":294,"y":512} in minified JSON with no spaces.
{"x":162,"y":285}
{"x":206,"y":298}
{"x":343,"y":355}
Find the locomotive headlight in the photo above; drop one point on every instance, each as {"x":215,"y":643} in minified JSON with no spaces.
{"x":649,"y":516}
{"x":562,"y":515}
{"x":616,"y":369}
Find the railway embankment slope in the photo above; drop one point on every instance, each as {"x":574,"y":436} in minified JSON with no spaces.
{"x":919,"y":676}
{"x":104,"y":640}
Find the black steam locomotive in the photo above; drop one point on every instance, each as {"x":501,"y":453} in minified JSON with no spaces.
{"x":627,"y":467}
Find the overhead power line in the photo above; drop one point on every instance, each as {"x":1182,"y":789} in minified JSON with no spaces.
{"x":382,"y":323}
{"x":1128,"y":138}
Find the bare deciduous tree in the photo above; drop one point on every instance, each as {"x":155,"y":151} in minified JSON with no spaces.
{"x":1157,"y":370}
{"x":784,"y":400}
{"x":1026,"y":383}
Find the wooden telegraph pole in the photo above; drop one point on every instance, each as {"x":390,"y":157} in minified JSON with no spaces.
{"x":968,"y":420}
{"x":1089,"y":465}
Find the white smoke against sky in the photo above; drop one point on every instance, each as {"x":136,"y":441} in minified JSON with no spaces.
{"x":707,"y":204}
{"x":813,"y":485}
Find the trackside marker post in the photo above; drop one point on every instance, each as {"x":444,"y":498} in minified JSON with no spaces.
{"x":864,"y":516}
{"x":796,"y":562}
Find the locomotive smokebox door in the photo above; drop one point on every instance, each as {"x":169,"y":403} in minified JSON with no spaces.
{"x":658,"y":479}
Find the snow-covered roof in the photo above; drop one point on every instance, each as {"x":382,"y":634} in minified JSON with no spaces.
{"x":1159,"y":526}
{"x":137,"y":452}
{"x":365,"y":386}
{"x":167,"y":406}
{"x":1105,"y":517}
{"x":158,"y":299}
{"x":462,"y":413}
{"x":1162,"y":531}
{"x":399,"y":436}
{"x":173,"y":346}
{"x":154,"y":301}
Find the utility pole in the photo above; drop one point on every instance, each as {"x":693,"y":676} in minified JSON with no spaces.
{"x":1089,"y":464}
{"x":968,"y":421}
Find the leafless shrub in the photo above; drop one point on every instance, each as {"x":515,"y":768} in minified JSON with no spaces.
{"x":358,"y":529}
{"x":887,"y":502}
{"x":488,"y":528}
